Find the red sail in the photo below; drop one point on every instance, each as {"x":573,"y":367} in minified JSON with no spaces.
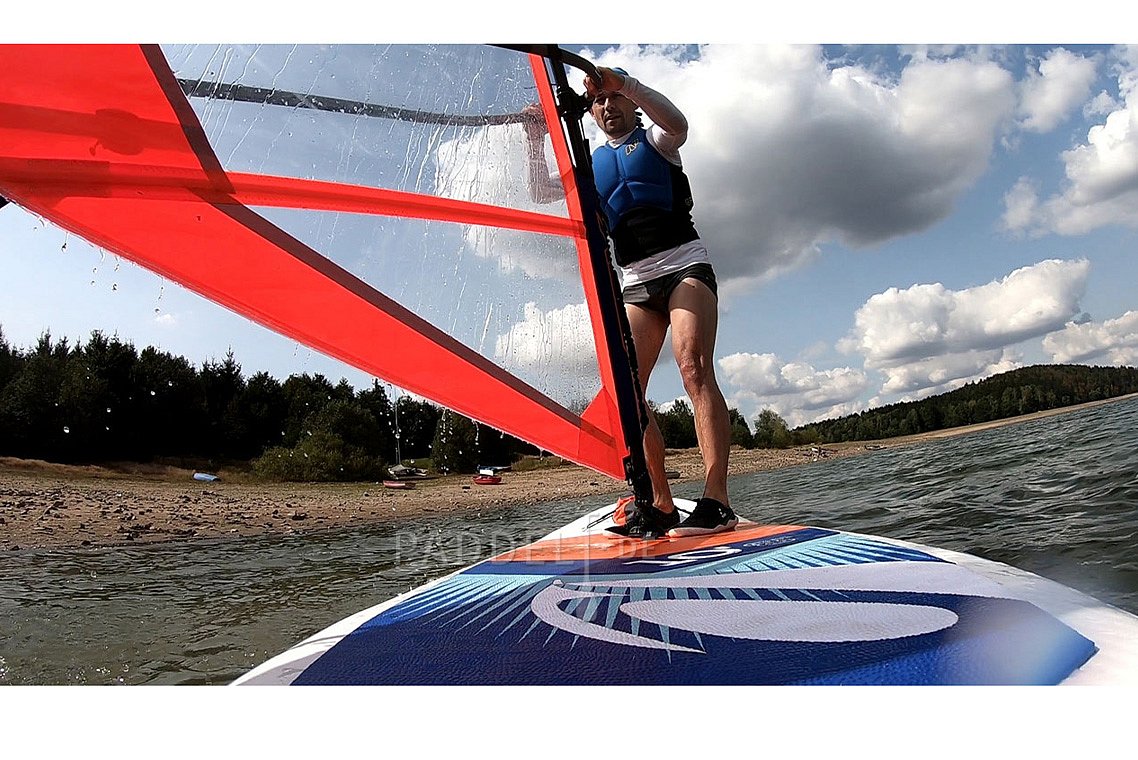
{"x":102,"y":141}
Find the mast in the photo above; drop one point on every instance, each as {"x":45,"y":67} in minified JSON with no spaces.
{"x":620,"y":348}
{"x":398,"y":435}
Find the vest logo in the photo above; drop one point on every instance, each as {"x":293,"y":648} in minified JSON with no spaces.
{"x":631,"y":147}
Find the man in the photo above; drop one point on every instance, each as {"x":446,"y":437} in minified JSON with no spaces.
{"x":667,"y":280}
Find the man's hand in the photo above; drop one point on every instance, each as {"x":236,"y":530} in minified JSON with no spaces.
{"x":533,"y":120}
{"x":611,"y":81}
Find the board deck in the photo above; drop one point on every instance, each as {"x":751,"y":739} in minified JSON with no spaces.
{"x":763,"y":604}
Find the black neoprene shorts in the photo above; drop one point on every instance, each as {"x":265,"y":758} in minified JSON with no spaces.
{"x":654,"y":294}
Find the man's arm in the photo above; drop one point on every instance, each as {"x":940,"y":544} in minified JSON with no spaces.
{"x":543,"y":187}
{"x":670,"y":126}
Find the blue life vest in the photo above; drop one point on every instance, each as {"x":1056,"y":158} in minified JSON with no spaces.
{"x":647,"y":199}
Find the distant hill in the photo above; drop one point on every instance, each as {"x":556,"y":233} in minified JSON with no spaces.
{"x":1010,"y":394}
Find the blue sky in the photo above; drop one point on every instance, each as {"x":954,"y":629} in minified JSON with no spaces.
{"x":888,"y":222}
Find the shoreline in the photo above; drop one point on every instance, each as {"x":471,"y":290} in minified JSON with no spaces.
{"x":52,"y":506}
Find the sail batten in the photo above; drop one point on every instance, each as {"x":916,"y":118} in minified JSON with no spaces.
{"x":286,"y":99}
{"x":97,"y":179}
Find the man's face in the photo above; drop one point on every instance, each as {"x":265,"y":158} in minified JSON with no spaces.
{"x":614,"y":113}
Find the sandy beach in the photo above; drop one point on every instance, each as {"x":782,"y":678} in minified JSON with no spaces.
{"x":53,"y":506}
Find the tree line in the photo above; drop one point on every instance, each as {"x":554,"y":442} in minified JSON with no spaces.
{"x":104,"y":401}
{"x":1010,"y":394}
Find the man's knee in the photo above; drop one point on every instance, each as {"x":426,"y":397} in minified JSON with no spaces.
{"x":696,"y":369}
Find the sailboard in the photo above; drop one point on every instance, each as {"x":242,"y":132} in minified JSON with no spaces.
{"x":760,"y":605}
{"x":368,"y":202}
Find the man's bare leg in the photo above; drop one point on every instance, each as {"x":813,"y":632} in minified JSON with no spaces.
{"x":694,"y":320}
{"x":649,"y":328}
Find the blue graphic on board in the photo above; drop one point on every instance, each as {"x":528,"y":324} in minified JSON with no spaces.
{"x":805,"y":607}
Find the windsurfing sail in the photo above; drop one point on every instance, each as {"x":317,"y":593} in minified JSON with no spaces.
{"x":366,"y":201}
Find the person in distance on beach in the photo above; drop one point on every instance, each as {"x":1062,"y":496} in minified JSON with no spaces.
{"x":667,"y":279}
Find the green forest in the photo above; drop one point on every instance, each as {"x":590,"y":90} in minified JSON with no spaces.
{"x":1010,"y":394}
{"x":104,"y":401}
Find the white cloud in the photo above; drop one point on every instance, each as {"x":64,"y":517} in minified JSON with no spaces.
{"x":487,"y":165}
{"x":923,"y":340}
{"x":788,"y":150}
{"x":1101,"y":186}
{"x":1116,"y":340}
{"x":925,"y":321}
{"x":940,"y":374}
{"x":554,"y":351}
{"x":798,"y":392}
{"x":928,"y":339}
{"x":1051,"y":93}
{"x":1021,"y":205}
{"x":667,"y":405}
{"x":561,"y":336}
{"x":1101,"y":105}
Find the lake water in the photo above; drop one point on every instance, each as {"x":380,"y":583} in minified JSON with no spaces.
{"x":1055,"y":496}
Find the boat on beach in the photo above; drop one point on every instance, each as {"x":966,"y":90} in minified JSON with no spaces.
{"x":402,"y":472}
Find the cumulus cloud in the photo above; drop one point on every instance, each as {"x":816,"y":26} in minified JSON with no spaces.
{"x":1021,"y":205}
{"x":1050,"y":93}
{"x":928,"y":339}
{"x":487,"y":165}
{"x":788,"y":149}
{"x":553,"y":350}
{"x":1115,"y":340}
{"x":1101,"y":105}
{"x":940,"y":374}
{"x":563,"y":336}
{"x":928,"y":320}
{"x":795,"y":390}
{"x":1101,"y":174}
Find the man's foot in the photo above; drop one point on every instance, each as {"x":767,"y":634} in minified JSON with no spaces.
{"x":646,"y":523}
{"x":709,"y":516}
